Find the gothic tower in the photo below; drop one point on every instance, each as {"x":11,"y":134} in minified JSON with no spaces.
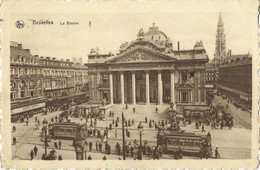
{"x":220,"y":49}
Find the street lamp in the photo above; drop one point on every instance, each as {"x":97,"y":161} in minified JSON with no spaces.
{"x":140,"y":129}
{"x":45,"y":124}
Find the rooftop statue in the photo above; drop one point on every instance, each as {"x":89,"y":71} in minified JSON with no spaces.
{"x":168,"y":42}
{"x":198,"y":45}
{"x":140,"y":33}
{"x":123,"y":45}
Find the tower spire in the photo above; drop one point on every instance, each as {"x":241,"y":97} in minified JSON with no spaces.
{"x":220,"y":49}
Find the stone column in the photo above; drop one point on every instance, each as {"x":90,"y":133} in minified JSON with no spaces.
{"x":159,"y":87}
{"x":111,"y":87}
{"x":133,"y":88}
{"x":147,"y":87}
{"x":122,"y":87}
{"x":172,"y":87}
{"x":199,"y":87}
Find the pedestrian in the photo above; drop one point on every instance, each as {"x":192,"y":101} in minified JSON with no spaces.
{"x":201,"y":153}
{"x":202,"y":128}
{"x":217,"y":153}
{"x":96,"y":146}
{"x":90,"y":146}
{"x":115,"y":133}
{"x":14,"y":140}
{"x":35,"y":149}
{"x":133,"y":110}
{"x":156,"y":109}
{"x":105,"y":158}
{"x":31,"y":154}
{"x":59,"y":144}
{"x":145,"y":119}
{"x":89,"y":157}
{"x":43,"y":156}
{"x":55,"y":144}
{"x":109,"y":150}
{"x":14,"y":128}
{"x":59,"y":157}
{"x":100,"y":147}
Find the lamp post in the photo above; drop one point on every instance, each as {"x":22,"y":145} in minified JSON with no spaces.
{"x":123,"y":135}
{"x":45,"y":124}
{"x":140,"y":130}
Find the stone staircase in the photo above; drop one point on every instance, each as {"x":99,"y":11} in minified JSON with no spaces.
{"x":141,"y":111}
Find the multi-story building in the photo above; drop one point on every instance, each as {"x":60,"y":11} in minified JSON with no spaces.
{"x":148,"y":70}
{"x":36,"y":80}
{"x":235,"y":79}
{"x":211,"y":75}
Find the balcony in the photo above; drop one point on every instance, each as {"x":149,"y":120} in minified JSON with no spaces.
{"x":27,"y":76}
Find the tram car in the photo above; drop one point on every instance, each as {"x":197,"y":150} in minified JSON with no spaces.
{"x":67,"y":130}
{"x":189,"y":143}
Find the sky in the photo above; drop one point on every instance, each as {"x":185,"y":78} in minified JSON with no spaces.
{"x":109,"y":30}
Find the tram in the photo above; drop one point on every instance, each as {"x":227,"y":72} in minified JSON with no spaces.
{"x":189,"y":143}
{"x":67,"y":130}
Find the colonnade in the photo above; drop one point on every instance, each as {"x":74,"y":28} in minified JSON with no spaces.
{"x":147,"y":87}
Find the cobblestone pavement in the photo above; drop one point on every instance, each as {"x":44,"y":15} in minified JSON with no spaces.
{"x":225,"y":140}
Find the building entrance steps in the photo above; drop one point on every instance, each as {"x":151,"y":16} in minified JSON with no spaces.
{"x":141,"y":111}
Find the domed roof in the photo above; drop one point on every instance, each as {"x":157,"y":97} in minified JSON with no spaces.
{"x":153,"y":38}
{"x":154,"y":32}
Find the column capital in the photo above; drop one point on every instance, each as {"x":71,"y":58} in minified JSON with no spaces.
{"x":121,"y":72}
{"x":171,"y":71}
{"x":159,"y":71}
{"x":133,"y":71}
{"x":147,"y":71}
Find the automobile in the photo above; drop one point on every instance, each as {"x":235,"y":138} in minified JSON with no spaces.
{"x":224,"y":97}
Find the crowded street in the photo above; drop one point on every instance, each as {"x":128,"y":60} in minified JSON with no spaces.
{"x":29,"y":136}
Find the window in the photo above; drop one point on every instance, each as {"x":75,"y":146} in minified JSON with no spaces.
{"x":105,"y":78}
{"x":184,"y":95}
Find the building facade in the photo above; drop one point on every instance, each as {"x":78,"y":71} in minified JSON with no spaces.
{"x":235,"y":79}
{"x":148,"y":70}
{"x":36,"y":80}
{"x":211,"y":75}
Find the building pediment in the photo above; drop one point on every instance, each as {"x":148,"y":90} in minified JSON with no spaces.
{"x":140,"y":54}
{"x":184,"y":86}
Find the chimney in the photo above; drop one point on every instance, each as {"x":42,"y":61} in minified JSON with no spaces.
{"x":67,"y":60}
{"x":19,"y":46}
{"x":47,"y":58}
{"x":36,"y":56}
{"x":178,"y":46}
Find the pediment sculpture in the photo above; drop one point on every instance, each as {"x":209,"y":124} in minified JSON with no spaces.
{"x":138,"y":56}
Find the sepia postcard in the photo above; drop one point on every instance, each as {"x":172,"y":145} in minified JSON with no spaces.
{"x":129,"y":84}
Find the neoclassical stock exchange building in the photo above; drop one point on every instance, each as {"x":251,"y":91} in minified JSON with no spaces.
{"x":149,"y":70}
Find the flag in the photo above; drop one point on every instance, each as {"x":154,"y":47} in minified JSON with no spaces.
{"x":191,"y":74}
